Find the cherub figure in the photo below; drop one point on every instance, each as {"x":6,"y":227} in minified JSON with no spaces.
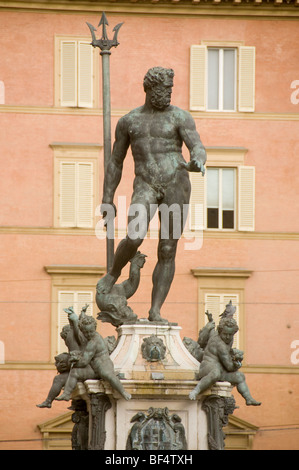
{"x":75,"y":341}
{"x":221,"y":363}
{"x":92,"y":363}
{"x":63,"y":366}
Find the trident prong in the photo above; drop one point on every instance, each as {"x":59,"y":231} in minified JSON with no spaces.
{"x":92,"y":30}
{"x":104,"y":43}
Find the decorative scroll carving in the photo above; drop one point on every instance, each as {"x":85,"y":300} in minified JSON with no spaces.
{"x":80,"y":418}
{"x":99,"y":405}
{"x":217,"y":409}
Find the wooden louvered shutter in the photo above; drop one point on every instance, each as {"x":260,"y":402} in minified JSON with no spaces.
{"x":212,"y":305}
{"x":85,"y":195}
{"x":85,"y":75}
{"x":197,"y":202}
{"x":198,"y":78}
{"x":68,"y":73}
{"x":246,"y":79}
{"x":67,"y":194}
{"x":246,"y":190}
{"x":84,"y":298}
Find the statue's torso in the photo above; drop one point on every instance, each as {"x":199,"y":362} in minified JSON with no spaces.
{"x":156,"y":143}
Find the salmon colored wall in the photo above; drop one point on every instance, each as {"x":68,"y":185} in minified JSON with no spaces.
{"x":26,"y":200}
{"x":271,"y":310}
{"x":21,"y":391}
{"x":145,"y":42}
{"x":27,"y":165}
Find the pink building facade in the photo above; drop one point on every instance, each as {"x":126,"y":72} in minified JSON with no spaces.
{"x":236,"y":72}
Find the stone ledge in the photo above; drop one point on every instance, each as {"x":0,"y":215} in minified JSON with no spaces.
{"x":153,"y":389}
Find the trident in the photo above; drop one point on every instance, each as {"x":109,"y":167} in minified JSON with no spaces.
{"x":105,"y":45}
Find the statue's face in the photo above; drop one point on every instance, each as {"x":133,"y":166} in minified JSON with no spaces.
{"x":61,"y":364}
{"x":119,"y":306}
{"x":88,"y":331}
{"x":161,"y":94}
{"x":227,"y":334}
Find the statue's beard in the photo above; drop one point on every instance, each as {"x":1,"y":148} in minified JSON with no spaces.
{"x":160,"y":99}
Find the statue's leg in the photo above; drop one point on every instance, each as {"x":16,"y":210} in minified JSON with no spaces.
{"x":172,"y":221}
{"x":125,"y":251}
{"x":58,"y":382}
{"x":75,"y":375}
{"x":117,"y":385}
{"x":238,"y":379}
{"x":206,"y":382}
{"x":143,"y":198}
{"x":104,"y":368}
{"x":162,"y":277}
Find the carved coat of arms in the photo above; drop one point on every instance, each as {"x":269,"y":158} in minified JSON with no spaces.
{"x":157,"y":431}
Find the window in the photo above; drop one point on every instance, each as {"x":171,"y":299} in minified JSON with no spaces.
{"x":222,"y":78}
{"x":76,"y":73}
{"x":224,"y":199}
{"x":221,"y":83}
{"x":221,"y":195}
{"x":76,"y":194}
{"x":76,"y":183}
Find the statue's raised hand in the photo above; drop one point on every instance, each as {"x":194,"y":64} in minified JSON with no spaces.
{"x":108,"y":211}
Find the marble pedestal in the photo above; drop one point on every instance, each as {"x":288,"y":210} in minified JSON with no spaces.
{"x":159,"y":372}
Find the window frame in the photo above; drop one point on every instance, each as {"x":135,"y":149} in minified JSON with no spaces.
{"x":75,"y":153}
{"x":221,"y":50}
{"x":220,"y":197}
{"x":59,"y":39}
{"x":245,"y":64}
{"x":225,"y":157}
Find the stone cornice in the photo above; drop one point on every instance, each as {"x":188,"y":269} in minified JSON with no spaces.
{"x":118,"y":112}
{"x":279,"y":9}
{"x":218,"y":234}
{"x":247,"y":369}
{"x":221,"y":272}
{"x":59,"y":269}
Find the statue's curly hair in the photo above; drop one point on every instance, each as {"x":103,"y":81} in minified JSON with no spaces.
{"x":155,"y":76}
{"x":228,"y":322}
{"x":87,"y":320}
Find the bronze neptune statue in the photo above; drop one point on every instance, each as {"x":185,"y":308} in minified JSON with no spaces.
{"x":156,"y":132}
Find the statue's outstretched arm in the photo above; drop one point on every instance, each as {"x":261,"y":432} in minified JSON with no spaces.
{"x":74,"y":322}
{"x":191,"y":138}
{"x":115,"y":165}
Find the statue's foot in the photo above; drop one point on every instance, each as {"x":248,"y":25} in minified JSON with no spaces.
{"x":156,"y":317}
{"x":64,"y":396}
{"x":251,"y":402}
{"x":45,"y":404}
{"x":105,"y":284}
